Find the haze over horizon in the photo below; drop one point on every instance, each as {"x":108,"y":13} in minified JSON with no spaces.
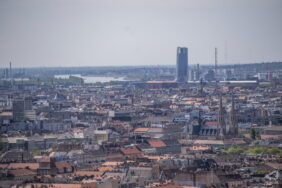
{"x":67,"y":33}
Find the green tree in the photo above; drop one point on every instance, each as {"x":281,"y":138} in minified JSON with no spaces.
{"x":1,"y":144}
{"x":253,"y":133}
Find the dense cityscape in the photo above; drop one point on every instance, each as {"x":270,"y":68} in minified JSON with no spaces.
{"x":140,"y":94}
{"x":166,"y":127}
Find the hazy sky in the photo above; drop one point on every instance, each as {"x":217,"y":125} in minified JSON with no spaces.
{"x":138,"y":32}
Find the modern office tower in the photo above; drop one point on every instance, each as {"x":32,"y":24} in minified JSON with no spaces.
{"x":18,"y":109}
{"x":182,"y":65}
{"x":215,"y":63}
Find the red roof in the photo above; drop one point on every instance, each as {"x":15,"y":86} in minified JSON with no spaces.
{"x":32,"y":166}
{"x":211,"y":123}
{"x":141,"y":130}
{"x":105,"y":168}
{"x":2,"y":166}
{"x":130,"y":151}
{"x":22,"y":172}
{"x":62,"y":165}
{"x":271,"y":136}
{"x":156,"y":143}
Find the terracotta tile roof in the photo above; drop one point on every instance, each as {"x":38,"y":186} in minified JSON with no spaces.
{"x":89,"y":184}
{"x":141,"y":130}
{"x":156,"y":143}
{"x":22,"y":172}
{"x":105,"y":168}
{"x":271,"y":136}
{"x":61,"y":165}
{"x":2,"y":166}
{"x":89,"y":173}
{"x":112,"y":163}
{"x":154,"y":157}
{"x":32,"y":166}
{"x":6,"y":114}
{"x":130,"y":151}
{"x":115,"y":156}
{"x":189,"y":102}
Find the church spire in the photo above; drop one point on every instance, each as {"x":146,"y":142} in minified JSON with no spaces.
{"x":233,"y":119}
{"x":221,"y":122}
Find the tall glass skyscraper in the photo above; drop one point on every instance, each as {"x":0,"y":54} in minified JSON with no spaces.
{"x":182,"y":65}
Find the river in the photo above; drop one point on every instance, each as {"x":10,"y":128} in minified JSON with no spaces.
{"x":92,"y":79}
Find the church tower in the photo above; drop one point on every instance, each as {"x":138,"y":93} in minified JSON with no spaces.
{"x":233,"y":120}
{"x":221,"y":129}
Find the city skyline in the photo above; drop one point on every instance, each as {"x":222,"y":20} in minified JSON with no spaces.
{"x":140,"y":93}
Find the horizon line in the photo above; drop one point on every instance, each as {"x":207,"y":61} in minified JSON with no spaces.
{"x":158,"y":65}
